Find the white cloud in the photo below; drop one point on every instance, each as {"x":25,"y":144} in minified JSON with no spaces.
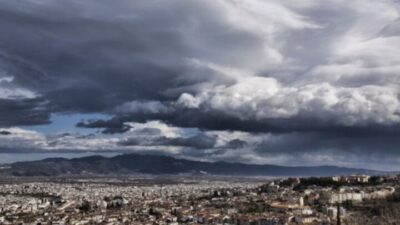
{"x":346,"y":71}
{"x":143,"y":107}
{"x":167,"y":131}
{"x":18,"y":138}
{"x":8,"y":90}
{"x":264,"y":98}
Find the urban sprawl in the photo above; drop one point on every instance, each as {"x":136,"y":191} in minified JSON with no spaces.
{"x":356,"y":199}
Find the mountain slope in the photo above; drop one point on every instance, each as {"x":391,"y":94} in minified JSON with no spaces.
{"x":152,"y":164}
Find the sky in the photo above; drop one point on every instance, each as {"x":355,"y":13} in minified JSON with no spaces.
{"x":284,"y":82}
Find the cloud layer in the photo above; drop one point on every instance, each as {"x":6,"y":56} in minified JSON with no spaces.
{"x":296,"y":75}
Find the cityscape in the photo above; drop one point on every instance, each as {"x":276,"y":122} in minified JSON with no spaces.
{"x":172,"y":200}
{"x":190,"y":112}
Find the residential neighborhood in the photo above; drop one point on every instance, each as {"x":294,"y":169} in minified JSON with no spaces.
{"x":284,"y":201}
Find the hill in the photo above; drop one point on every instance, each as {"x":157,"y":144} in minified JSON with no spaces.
{"x":155,"y":164}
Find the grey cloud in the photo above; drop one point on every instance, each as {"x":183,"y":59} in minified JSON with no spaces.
{"x":4,"y":132}
{"x":133,"y":57}
{"x":362,"y":149}
{"x":131,"y":142}
{"x":111,"y":126}
{"x":147,"y":132}
{"x":101,"y":56}
{"x":200,"y":141}
{"x":23,"y":112}
{"x":213,"y":119}
{"x":343,"y":141}
{"x":304,"y":71}
{"x":236,"y":143}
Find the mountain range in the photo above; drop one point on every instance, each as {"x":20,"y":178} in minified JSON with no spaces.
{"x":156,"y":164}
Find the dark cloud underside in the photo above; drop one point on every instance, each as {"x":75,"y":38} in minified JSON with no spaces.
{"x":303,"y":77}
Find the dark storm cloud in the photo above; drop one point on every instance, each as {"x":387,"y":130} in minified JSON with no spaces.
{"x":186,"y":118}
{"x":312,"y":75}
{"x":92,"y":57}
{"x":23,"y":112}
{"x":96,"y":56}
{"x":366,"y":142}
{"x":111,"y":126}
{"x":215,"y":120}
{"x":81,"y":77}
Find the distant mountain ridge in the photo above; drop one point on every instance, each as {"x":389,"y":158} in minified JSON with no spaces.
{"x":156,"y":164}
